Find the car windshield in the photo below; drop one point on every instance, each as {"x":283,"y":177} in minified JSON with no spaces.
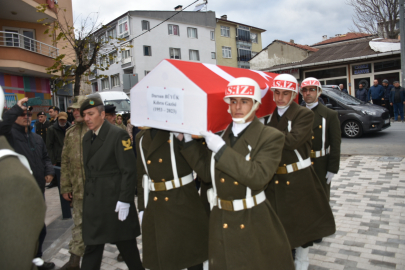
{"x":343,"y":97}
{"x":120,"y":104}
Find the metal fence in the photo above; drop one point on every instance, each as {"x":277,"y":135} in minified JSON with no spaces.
{"x":16,"y":40}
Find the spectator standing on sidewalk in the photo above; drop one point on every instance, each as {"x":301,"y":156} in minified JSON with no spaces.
{"x":53,"y":113}
{"x":16,"y":127}
{"x":387,"y":91}
{"x":361,"y":93}
{"x":21,"y":204}
{"x":342,"y":89}
{"x":375,"y":93}
{"x":397,"y":100}
{"x":119,"y":123}
{"x":42,"y":125}
{"x":72,"y":180}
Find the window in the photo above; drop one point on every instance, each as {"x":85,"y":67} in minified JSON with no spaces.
{"x":145,"y":25}
{"x":226,"y":52}
{"x":243,"y":34}
{"x":103,"y":61}
{"x":212,"y":33}
{"x":112,"y":57}
{"x":174,"y":53}
{"x":244,"y":55}
{"x":327,"y":73}
{"x":126,"y":54}
{"x":174,"y":30}
{"x":213,"y":56}
{"x":102,"y":38}
{"x":115,"y":80}
{"x":194,"y":55}
{"x":387,"y":65}
{"x":123,"y":28}
{"x":147,"y":50}
{"x":105,"y":84}
{"x":111,"y":34}
{"x":225,"y":31}
{"x":14,"y":36}
{"x":146,"y":72}
{"x":192,"y":32}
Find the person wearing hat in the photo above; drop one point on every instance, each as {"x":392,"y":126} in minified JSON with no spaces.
{"x":42,"y":125}
{"x":118,"y":122}
{"x":53,"y":113}
{"x":387,"y":91}
{"x":72,"y":180}
{"x":110,"y":113}
{"x":109,"y":213}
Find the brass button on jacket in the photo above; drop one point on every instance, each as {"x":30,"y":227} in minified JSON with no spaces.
{"x":225,"y":226}
{"x":155,"y":199}
{"x":288,"y":182}
{"x":160,"y":160}
{"x":235,"y":183}
{"x":222,"y":180}
{"x":166,"y":199}
{"x":242,"y":226}
{"x":313,"y":137}
{"x":149,"y":162}
{"x":169,"y":141}
{"x":163,"y":180}
{"x":320,"y":126}
{"x":276,"y":182}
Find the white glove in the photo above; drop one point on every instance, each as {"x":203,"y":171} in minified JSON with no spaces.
{"x":214,"y":142}
{"x":329,"y":177}
{"x":187,"y":137}
{"x":140,"y":217}
{"x":123,"y":209}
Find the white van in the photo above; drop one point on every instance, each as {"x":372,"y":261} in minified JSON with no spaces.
{"x":119,"y":99}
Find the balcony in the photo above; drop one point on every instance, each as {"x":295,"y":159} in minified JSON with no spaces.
{"x":23,"y":54}
{"x":26,"y":11}
{"x":127,"y":62}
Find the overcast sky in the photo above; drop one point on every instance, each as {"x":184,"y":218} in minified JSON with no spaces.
{"x":304,"y":21}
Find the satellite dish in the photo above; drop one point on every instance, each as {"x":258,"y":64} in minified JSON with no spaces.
{"x":253,"y":36}
{"x":200,"y":6}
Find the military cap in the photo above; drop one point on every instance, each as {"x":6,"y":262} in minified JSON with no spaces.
{"x":62,"y":116}
{"x":90,"y":103}
{"x":54,"y":108}
{"x":41,"y":113}
{"x":77,"y":102}
{"x":110,"y":108}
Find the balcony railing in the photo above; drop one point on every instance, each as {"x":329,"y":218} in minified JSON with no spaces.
{"x":16,"y":40}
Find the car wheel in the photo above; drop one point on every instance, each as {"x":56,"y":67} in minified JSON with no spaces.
{"x":352,"y":129}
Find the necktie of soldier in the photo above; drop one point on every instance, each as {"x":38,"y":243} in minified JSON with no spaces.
{"x":93,"y":137}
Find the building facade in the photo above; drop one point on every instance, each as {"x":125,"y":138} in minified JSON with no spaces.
{"x":236,"y":43}
{"x":26,"y":52}
{"x":186,"y":36}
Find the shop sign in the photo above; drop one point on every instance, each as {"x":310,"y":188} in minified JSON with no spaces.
{"x":361,"y":69}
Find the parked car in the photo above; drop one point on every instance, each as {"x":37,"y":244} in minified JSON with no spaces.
{"x":356,"y":117}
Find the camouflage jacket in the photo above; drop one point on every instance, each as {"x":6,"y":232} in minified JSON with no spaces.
{"x":72,"y":172}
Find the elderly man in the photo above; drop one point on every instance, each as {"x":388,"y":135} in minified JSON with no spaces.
{"x":16,"y":128}
{"x":110,"y":113}
{"x":397,"y":100}
{"x":42,"y":125}
{"x":375,"y":93}
{"x":342,"y":89}
{"x":53,"y":113}
{"x":72,"y":181}
{"x":108,"y":161}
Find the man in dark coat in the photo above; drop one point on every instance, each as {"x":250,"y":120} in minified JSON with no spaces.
{"x":42,"y":125}
{"x":361,"y":93}
{"x":245,"y":232}
{"x":16,"y":128}
{"x":375,"y":93}
{"x":343,"y":89}
{"x":326,"y":138}
{"x":53,"y":113}
{"x":56,"y":137}
{"x":387,"y":90}
{"x":296,"y":193}
{"x":22,"y":208}
{"x":397,"y":100}
{"x":108,"y":161}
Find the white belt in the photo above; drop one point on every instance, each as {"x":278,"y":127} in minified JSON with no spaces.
{"x":237,"y":205}
{"x":168,"y":185}
{"x":321,"y":153}
{"x":294,"y":167}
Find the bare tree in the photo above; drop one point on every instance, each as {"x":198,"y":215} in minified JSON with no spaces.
{"x":86,"y":47}
{"x":377,"y":17}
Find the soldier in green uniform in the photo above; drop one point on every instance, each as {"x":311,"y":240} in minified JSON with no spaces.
{"x":109,"y":213}
{"x":295,"y":192}
{"x":326,"y":139}
{"x":175,"y":224}
{"x":72,"y":181}
{"x":42,"y":125}
{"x":245,"y":232}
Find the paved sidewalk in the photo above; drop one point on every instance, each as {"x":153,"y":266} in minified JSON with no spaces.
{"x":368,"y":201}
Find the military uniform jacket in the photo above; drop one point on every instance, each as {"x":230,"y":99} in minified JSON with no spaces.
{"x":175,"y":224}
{"x":72,"y":175}
{"x":331,"y":161}
{"x":41,"y":129}
{"x":298,"y":197}
{"x":110,"y":177}
{"x":22,"y":212}
{"x":251,"y":238}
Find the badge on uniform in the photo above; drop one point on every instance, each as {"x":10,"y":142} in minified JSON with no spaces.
{"x":91,"y":102}
{"x":127,"y":144}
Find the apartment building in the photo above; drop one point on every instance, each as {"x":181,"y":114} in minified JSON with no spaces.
{"x":187,"y":36}
{"x":26,"y":52}
{"x":236,"y":43}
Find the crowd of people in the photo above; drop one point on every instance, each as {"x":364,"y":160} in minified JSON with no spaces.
{"x":263,"y":200}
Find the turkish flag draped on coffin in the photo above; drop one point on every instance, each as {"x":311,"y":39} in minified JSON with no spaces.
{"x":188,"y":97}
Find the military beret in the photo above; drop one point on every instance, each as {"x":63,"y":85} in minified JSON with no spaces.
{"x":54,"y":108}
{"x":109,"y":108}
{"x":90,"y":103}
{"x":40,"y":113}
{"x":77,"y":102}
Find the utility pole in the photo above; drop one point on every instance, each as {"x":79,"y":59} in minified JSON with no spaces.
{"x":402,"y":32}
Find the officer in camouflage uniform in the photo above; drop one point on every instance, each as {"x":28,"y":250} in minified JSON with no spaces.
{"x":72,"y":181}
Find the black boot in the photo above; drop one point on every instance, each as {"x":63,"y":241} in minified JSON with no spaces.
{"x":46,"y":266}
{"x":73,"y":263}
